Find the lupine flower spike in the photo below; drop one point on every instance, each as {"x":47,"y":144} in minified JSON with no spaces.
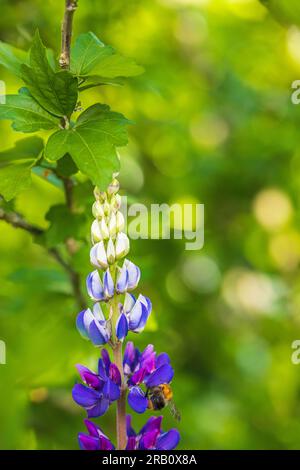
{"x":143,"y":377}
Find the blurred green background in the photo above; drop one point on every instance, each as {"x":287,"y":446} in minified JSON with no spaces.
{"x":214,"y":124}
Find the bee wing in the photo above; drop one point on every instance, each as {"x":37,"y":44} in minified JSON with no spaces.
{"x":174,"y":410}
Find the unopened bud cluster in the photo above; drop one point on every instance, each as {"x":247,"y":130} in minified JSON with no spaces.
{"x":110,"y":243}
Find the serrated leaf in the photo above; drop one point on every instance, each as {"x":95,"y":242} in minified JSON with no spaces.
{"x":16,"y":164}
{"x":286,"y":12}
{"x":90,"y":56}
{"x":12,"y":58}
{"x":92,"y":143}
{"x":64,"y":225}
{"x":54,"y":91}
{"x":27,"y":115}
{"x":87,"y":51}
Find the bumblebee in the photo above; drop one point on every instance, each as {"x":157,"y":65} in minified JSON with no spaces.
{"x":161,"y":396}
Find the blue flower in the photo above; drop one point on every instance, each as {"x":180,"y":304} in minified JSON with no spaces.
{"x":101,"y":389}
{"x":151,"y":437}
{"x":97,"y":289}
{"x":146,"y":369}
{"x":92,"y":325}
{"x":95,"y":439}
{"x":133,"y":315}
{"x":128,"y":277}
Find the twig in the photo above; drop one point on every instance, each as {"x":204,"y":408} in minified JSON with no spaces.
{"x":66,"y":33}
{"x":17,"y":221}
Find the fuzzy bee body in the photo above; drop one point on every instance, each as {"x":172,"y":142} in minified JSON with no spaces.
{"x":161,"y":396}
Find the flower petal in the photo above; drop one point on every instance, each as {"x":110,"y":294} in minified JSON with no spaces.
{"x":162,"y":359}
{"x":122,"y":327}
{"x":129,"y":302}
{"x":99,"y":409}
{"x":148,"y":440}
{"x":121,"y":245}
{"x":137,"y":400}
{"x":98,"y":333}
{"x":153,"y":424}
{"x":162,"y":375}
{"x":101,"y":255}
{"x":168,"y":440}
{"x":108,"y":285}
{"x":111,"y":390}
{"x":131,"y":443}
{"x":83,"y":320}
{"x":93,"y":256}
{"x":85,"y":396}
{"x":129,"y":429}
{"x":88,"y":442}
{"x":93,"y":430}
{"x":138,"y":376}
{"x":98,"y":313}
{"x":91,"y":379}
{"x":94,"y":286}
{"x":134,"y":274}
{"x":138,"y":315}
{"x":114,"y":374}
{"x":122,"y":281}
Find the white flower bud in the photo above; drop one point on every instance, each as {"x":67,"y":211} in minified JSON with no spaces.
{"x":110,"y":251}
{"x":96,"y":232}
{"x":112,"y":225}
{"x":121,"y":245}
{"x":120,"y":221}
{"x":106,"y":208}
{"x":100,"y":195}
{"x":118,"y":201}
{"x":104,"y":230}
{"x":114,"y":187}
{"x":97,"y":210}
{"x":102,"y":255}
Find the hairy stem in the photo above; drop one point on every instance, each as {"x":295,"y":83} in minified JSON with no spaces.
{"x":17,"y":221}
{"x":66,"y":33}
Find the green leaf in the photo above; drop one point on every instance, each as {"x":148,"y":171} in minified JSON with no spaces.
{"x":12,"y":58}
{"x":54,"y":91}
{"x":94,"y":81}
{"x":117,"y":66}
{"x":90,"y":56}
{"x":66,"y":167}
{"x":87,"y":52}
{"x":16,"y":164}
{"x":64,"y":225}
{"x":92,"y":143}
{"x":286,"y":12}
{"x":27,"y":115}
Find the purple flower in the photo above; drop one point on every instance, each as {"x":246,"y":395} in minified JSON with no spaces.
{"x":144,"y":368}
{"x":151,"y":437}
{"x":95,"y":439}
{"x":133,"y":315}
{"x":98,"y":289}
{"x":101,"y":389}
{"x":93,"y":325}
{"x":128,"y":278}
